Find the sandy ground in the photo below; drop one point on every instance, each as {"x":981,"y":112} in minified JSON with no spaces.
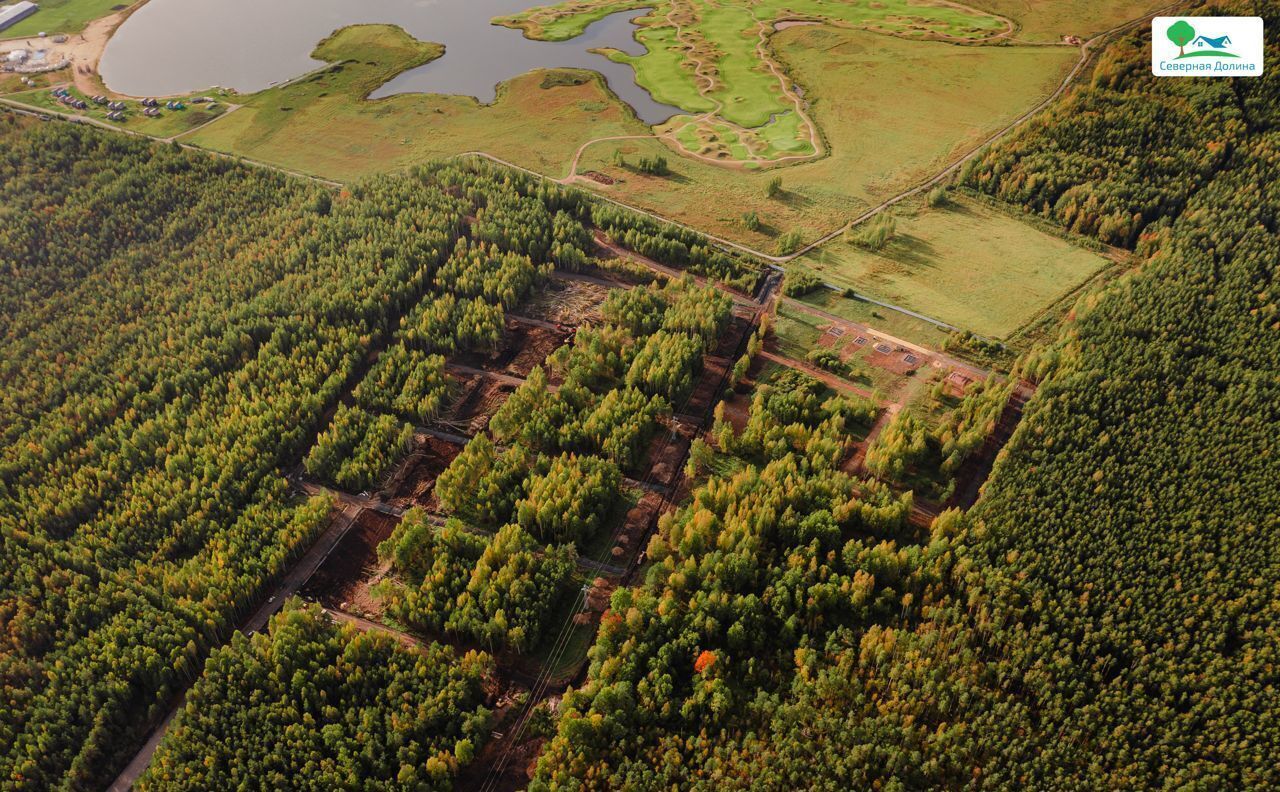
{"x":82,"y":49}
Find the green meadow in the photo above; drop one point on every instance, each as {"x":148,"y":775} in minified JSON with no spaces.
{"x":713,"y":57}
{"x":885,"y":125}
{"x":963,"y":263}
{"x":325,"y":125}
{"x":1044,"y":21}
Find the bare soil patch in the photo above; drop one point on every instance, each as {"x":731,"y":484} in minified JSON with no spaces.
{"x":892,"y":357}
{"x":957,"y":384}
{"x":598,"y":177}
{"x":567,"y":302}
{"x":730,"y":340}
{"x":417,"y":488}
{"x":710,"y":386}
{"x":523,"y":346}
{"x":973,"y":472}
{"x":639,"y":521}
{"x":534,"y":344}
{"x":350,"y":564}
{"x":737,"y":410}
{"x":478,"y":399}
{"x":663,"y":458}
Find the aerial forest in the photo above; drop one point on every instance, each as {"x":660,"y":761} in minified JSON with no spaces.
{"x":179,"y":332}
{"x":544,"y":483}
{"x":185,"y":342}
{"x":1105,"y":617}
{"x":313,"y":705}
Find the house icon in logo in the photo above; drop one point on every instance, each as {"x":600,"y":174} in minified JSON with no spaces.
{"x":1217,"y":43}
{"x":1180,"y":33}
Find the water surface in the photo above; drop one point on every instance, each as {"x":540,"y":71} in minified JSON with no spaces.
{"x":177,"y":46}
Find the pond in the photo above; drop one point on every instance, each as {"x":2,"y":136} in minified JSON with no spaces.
{"x":177,"y":46}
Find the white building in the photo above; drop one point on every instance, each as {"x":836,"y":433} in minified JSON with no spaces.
{"x":12,"y":14}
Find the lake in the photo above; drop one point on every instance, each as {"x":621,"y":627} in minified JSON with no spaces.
{"x":178,"y":46}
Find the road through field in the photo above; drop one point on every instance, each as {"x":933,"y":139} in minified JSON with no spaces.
{"x":1086,"y":53}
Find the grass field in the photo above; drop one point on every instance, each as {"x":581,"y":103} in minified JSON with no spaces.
{"x":965,"y":264}
{"x":63,"y":16}
{"x":708,"y":57}
{"x":894,"y":323}
{"x":796,"y":333}
{"x":324,"y":125}
{"x":892,"y":112}
{"x":167,"y":124}
{"x":12,"y":83}
{"x":885,"y":125}
{"x":1050,"y":20}
{"x":665,"y":74}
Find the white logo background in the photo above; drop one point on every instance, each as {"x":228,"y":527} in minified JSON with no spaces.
{"x":1205,"y":53}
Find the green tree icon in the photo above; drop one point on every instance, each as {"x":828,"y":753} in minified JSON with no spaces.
{"x":1181,"y":33}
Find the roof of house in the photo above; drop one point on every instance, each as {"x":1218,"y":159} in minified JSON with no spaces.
{"x":12,"y":13}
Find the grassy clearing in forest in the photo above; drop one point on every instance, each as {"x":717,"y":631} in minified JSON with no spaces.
{"x":796,"y":333}
{"x":894,"y":323}
{"x":963,"y":263}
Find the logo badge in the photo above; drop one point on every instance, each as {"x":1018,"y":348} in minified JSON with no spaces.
{"x":1206,"y":46}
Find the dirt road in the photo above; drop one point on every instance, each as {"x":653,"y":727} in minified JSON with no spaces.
{"x":287,"y":587}
{"x":364,"y":625}
{"x":83,"y":49}
{"x":825,"y":377}
{"x":940,"y":359}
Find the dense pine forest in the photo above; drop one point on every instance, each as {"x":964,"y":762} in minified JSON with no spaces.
{"x":176,"y":333}
{"x":1106,"y":617}
{"x":1137,"y":511}
{"x":180,"y":334}
{"x":375,"y":714}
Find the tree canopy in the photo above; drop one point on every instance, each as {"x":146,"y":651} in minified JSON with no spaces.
{"x":176,"y":331}
{"x":312,"y":705}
